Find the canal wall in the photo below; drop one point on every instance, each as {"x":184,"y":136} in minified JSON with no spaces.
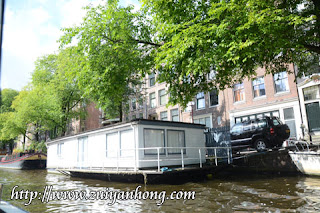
{"x":270,"y":161}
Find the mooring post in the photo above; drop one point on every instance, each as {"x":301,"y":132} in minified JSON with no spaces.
{"x":145,"y":178}
{"x":1,"y":185}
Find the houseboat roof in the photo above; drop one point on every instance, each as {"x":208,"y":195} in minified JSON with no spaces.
{"x":135,"y":121}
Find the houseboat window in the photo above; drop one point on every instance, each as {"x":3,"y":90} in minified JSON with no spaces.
{"x":59,"y":149}
{"x":112,"y":145}
{"x":153,"y":138}
{"x":126,"y":143}
{"x":176,"y":139}
{"x":82,"y":149}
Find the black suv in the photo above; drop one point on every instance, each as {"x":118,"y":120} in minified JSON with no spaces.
{"x":260,"y":134}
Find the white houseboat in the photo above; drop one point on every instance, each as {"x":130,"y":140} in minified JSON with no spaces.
{"x":136,"y":145}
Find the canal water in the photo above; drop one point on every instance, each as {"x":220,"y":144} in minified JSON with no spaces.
{"x":251,"y":193}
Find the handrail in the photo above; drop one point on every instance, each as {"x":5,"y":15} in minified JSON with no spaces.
{"x":157,"y":157}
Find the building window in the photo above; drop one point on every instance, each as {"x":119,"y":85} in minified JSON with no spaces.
{"x":164,"y":116}
{"x":153,"y":138}
{"x":200,"y":100}
{"x":175,"y":115}
{"x":140,"y":115}
{"x":311,"y":93}
{"x":140,"y":103}
{"x":205,"y":121}
{"x":162,"y":97}
{"x":258,"y":115}
{"x":134,"y":117}
{"x":133,"y":104}
{"x":153,"y":100}
{"x":189,"y":107}
{"x":238,"y":92}
{"x":214,"y":97}
{"x":281,"y":82}
{"x":152,"y":80}
{"x":176,"y":139}
{"x":258,"y":87}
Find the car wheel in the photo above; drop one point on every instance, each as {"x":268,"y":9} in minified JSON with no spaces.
{"x":260,"y":145}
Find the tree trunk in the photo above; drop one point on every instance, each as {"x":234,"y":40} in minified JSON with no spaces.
{"x":24,"y":142}
{"x":120,"y":112}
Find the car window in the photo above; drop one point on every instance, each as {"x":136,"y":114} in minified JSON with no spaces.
{"x":247,"y":127}
{"x":276,"y":121}
{"x":236,"y":129}
{"x":262,"y":123}
{"x":254,"y":125}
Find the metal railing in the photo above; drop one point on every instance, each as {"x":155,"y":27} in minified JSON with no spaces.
{"x":154,"y":157}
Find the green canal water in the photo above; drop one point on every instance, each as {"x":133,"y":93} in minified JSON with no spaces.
{"x":245,"y":193}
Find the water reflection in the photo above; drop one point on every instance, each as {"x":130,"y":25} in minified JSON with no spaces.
{"x":233,"y":194}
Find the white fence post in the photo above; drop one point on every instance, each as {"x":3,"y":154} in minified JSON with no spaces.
{"x":200,"y":158}
{"x":135,"y":159}
{"x":215,"y":156}
{"x":117,"y":160}
{"x":182,"y":160}
{"x":158,"y":150}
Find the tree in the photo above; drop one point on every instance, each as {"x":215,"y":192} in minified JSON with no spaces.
{"x":6,"y":112}
{"x":231,"y":38}
{"x":188,"y":40}
{"x":7,"y":96}
{"x":116,"y":44}
{"x":54,"y":76}
{"x":48,"y":103}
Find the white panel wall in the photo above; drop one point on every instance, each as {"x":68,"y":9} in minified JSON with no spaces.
{"x":123,"y":157}
{"x":193,"y":138}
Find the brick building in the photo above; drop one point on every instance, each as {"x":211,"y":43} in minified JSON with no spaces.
{"x":265,"y":95}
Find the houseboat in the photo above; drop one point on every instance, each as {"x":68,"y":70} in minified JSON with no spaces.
{"x":139,"y":145}
{"x":24,"y":161}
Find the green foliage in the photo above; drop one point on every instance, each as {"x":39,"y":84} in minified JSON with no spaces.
{"x":231,"y":38}
{"x":116,"y":45}
{"x":38,"y":146}
{"x":49,"y":102}
{"x":7,"y":96}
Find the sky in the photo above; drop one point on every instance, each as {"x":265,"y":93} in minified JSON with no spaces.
{"x":31,"y":29}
